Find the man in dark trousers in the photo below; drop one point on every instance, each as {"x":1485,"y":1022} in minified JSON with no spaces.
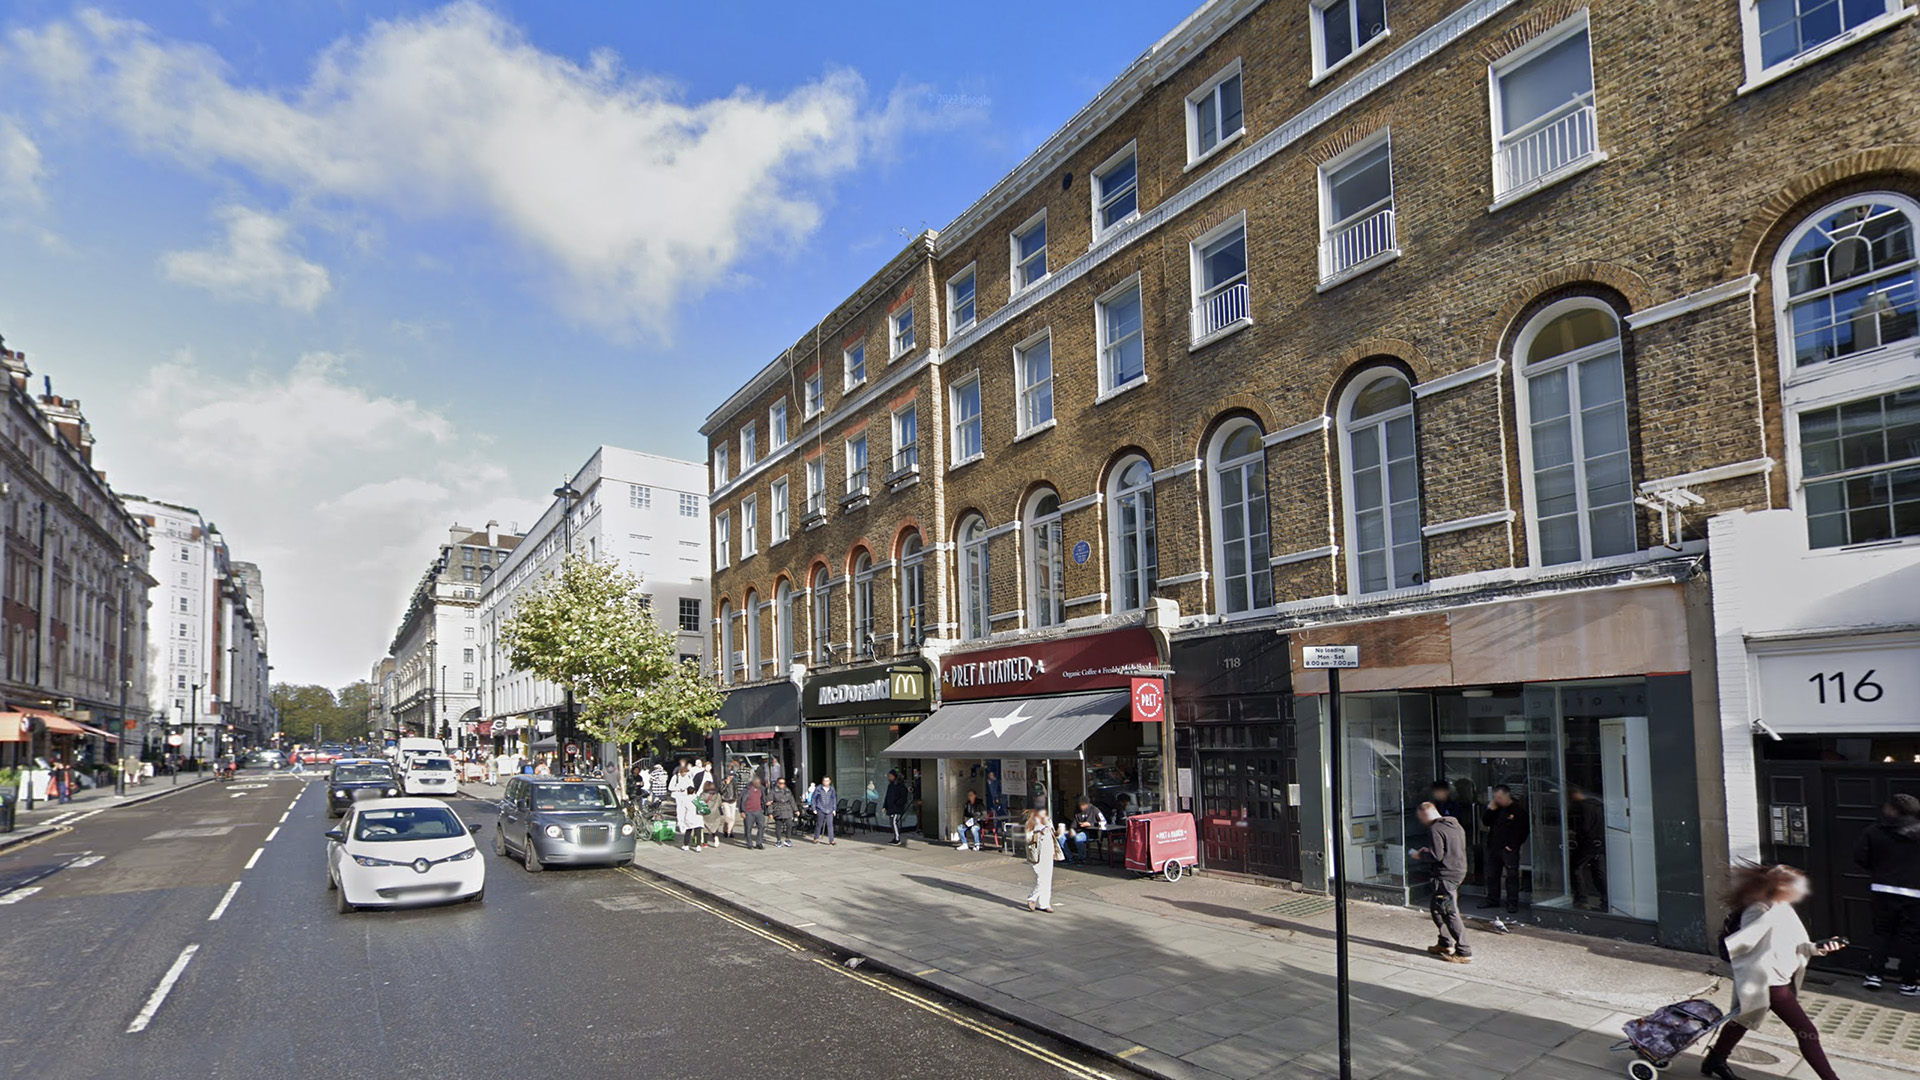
{"x":1587,"y":848}
{"x":754,"y":804}
{"x":1889,"y":851}
{"x":1506,"y":820}
{"x":1446,"y":859}
{"x":895,"y":804}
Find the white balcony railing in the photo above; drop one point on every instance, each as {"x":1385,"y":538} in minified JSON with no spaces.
{"x":1219,"y":309}
{"x":1353,"y":244}
{"x":1535,"y":153}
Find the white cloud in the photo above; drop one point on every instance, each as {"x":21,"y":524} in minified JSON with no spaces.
{"x":636,"y":197}
{"x":22,"y":171}
{"x":255,"y":263}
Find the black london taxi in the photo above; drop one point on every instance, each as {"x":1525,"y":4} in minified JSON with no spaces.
{"x":359,"y":778}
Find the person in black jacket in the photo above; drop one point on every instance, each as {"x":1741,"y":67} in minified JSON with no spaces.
{"x":1446,"y":858}
{"x":1587,"y":848}
{"x":780,"y":801}
{"x":895,"y":804}
{"x":1506,"y":820}
{"x":1889,"y":851}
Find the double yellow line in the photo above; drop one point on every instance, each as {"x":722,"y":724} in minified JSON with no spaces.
{"x":919,"y":1001}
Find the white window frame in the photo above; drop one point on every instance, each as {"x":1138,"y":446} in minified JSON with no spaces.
{"x":1506,"y":193}
{"x":863,"y":471}
{"x":1025,"y":393}
{"x":1016,"y":281}
{"x":778,"y":434}
{"x":1374,"y":427}
{"x":779,"y":500}
{"x":1206,"y":92}
{"x":1146,"y":577}
{"x":1257,"y":567}
{"x":814,"y":394}
{"x":749,"y":446}
{"x":975,"y":569}
{"x":723,"y":539}
{"x":722,"y":464}
{"x":1097,"y":188}
{"x":749,"y":527}
{"x":817,"y":484}
{"x":1108,"y":387}
{"x":1759,"y":74}
{"x":846,"y":364}
{"x":1331,"y":232}
{"x":1045,"y":534}
{"x":958,"y":423}
{"x":750,"y":611}
{"x":913,"y":590}
{"x":900,"y":332}
{"x":1791,"y":374}
{"x":863,"y":595}
{"x":902,"y":442}
{"x":820,"y":618}
{"x":729,"y":666}
{"x":783,"y":639}
{"x":1317,"y":22}
{"x":1523,"y":419}
{"x":1200,"y":294}
{"x":954,"y":323}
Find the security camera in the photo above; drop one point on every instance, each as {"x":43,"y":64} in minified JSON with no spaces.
{"x":1760,"y":728}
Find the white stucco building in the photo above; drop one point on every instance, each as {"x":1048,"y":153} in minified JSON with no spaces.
{"x":645,"y":512}
{"x":435,"y":653}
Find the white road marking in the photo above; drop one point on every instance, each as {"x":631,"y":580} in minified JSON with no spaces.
{"x":271,"y":835}
{"x":84,"y":860}
{"x":238,"y":795}
{"x":285,"y":816}
{"x":159,"y":995}
{"x":18,"y":895}
{"x":256,"y":858}
{"x":221,"y":908}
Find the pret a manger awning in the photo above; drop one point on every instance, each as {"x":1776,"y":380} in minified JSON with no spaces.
{"x":1054,"y":727}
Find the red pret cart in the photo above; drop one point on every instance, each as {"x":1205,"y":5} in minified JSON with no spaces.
{"x":1164,"y":843}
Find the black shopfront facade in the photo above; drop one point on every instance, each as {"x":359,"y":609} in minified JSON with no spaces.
{"x":853,"y":715}
{"x":762,"y":723}
{"x":1237,"y":751}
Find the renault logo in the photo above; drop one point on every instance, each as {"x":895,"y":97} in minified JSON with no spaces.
{"x":421,"y":866}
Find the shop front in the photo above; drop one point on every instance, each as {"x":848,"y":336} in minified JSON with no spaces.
{"x":1234,"y":726}
{"x":852,"y":716}
{"x":760,"y":726}
{"x":1579,"y":707}
{"x":1040,"y":724}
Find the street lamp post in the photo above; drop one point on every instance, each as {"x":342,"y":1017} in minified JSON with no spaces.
{"x":126,"y":726}
{"x":193,"y":726}
{"x":568,"y":496}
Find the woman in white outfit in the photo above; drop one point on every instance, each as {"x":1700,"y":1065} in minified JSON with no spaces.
{"x":687,"y":815}
{"x":1042,"y":852}
{"x":1769,"y":948}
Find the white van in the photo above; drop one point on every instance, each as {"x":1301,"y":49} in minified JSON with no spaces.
{"x":410,"y":748}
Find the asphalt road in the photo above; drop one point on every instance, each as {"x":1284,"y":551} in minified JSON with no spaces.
{"x":572,"y":973}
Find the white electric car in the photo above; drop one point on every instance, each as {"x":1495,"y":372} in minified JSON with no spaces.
{"x":430,"y":774}
{"x":403,"y":853}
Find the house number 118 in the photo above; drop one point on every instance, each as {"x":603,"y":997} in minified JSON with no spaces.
{"x":1864,"y":688}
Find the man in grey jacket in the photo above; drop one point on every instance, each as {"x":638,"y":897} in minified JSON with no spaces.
{"x":1446,"y":859}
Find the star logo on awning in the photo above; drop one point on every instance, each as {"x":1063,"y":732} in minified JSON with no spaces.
{"x":998,"y":725}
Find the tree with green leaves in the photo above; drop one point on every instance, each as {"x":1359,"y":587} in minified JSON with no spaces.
{"x":340,"y":717}
{"x":589,"y":629}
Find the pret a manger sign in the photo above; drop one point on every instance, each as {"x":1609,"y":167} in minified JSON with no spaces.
{"x":1059,"y":666}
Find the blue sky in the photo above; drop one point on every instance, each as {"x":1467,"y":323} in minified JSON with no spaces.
{"x":342,"y":273}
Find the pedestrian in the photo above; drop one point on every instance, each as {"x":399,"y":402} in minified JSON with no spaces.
{"x":1889,"y":851}
{"x":1441,"y":796}
{"x":972,"y":813}
{"x":784,"y":811}
{"x":1769,"y":949}
{"x":63,"y":780}
{"x":699,"y":774}
{"x":895,"y":805}
{"x":825,"y":803}
{"x":682,"y":778}
{"x":686,"y":813}
{"x":776,"y":771}
{"x":1587,"y":848}
{"x":754,"y":803}
{"x":1087,"y":819}
{"x":729,"y":806}
{"x":710,"y":815}
{"x":1446,"y":859}
{"x":1042,"y":853}
{"x":1506,"y":820}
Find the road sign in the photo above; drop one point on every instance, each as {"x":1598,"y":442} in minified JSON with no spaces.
{"x":1329,"y":656}
{"x":175,"y":740}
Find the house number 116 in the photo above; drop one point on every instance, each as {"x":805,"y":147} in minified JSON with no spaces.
{"x":1864,"y":688}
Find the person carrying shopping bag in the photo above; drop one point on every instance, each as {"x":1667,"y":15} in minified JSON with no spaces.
{"x":1042,"y":852}
{"x":1769,"y":948}
{"x":686,"y":813}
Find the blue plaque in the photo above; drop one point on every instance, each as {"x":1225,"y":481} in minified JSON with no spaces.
{"x":1082,"y":551}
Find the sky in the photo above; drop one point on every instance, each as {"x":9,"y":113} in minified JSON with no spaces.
{"x":342,"y":274}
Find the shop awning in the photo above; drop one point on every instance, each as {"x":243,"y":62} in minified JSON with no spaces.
{"x":100,"y":733}
{"x":753,"y":708}
{"x":867,"y":721}
{"x":1012,"y":727}
{"x":13,"y":727}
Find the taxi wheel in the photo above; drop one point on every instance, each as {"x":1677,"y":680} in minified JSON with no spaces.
{"x":531,"y":859}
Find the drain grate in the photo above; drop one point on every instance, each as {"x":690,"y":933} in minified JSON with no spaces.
{"x":1866,"y":1024}
{"x":1302,"y":907}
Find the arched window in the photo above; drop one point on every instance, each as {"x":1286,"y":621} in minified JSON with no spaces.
{"x":822,"y":618}
{"x":729,"y":660}
{"x":1240,"y":522}
{"x":913,"y":590}
{"x":751,"y":612}
{"x":1382,"y":483}
{"x":863,"y":605}
{"x":1846,"y":280}
{"x":1136,"y":562}
{"x":782,"y":627}
{"x":976,"y":595}
{"x":1573,"y":403}
{"x":1046,"y":592}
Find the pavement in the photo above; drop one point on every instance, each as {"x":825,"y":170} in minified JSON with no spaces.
{"x":193,"y":935}
{"x":1208,"y":979}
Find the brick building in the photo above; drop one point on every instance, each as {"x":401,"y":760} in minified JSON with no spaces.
{"x":1438,"y":328}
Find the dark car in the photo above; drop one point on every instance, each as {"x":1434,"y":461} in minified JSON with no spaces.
{"x":361,"y":778}
{"x":550,"y":821}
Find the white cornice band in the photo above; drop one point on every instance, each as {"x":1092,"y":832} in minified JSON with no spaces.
{"x":1673,"y":309}
{"x":1459,"y":378}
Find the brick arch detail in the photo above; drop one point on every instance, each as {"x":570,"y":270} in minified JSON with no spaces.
{"x":1043,"y":480}
{"x":1236,"y":404}
{"x":960,"y":515}
{"x":860,"y":543}
{"x":1630,"y":286}
{"x":1365,"y":354}
{"x":1541,"y":21}
{"x":907,"y":524}
{"x":1121,"y":453}
{"x":1784,"y":208}
{"x":818,"y":562}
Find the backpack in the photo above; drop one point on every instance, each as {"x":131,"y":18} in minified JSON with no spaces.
{"x":1729,"y":928}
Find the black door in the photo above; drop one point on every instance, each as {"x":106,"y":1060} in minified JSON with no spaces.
{"x":1813,"y":817}
{"x":1247,"y":785}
